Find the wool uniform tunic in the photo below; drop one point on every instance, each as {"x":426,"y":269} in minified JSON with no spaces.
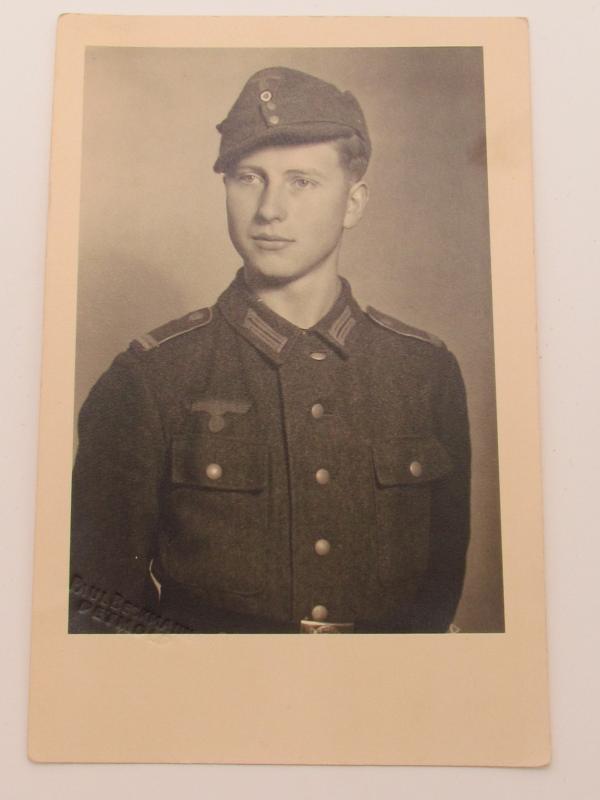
{"x":237,"y":473}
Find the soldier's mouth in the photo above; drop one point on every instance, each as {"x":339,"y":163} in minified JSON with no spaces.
{"x":265,"y":242}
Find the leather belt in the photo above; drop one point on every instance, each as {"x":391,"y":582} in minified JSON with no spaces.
{"x":310,"y":626}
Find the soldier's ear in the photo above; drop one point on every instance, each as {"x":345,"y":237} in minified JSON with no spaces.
{"x":358,"y":197}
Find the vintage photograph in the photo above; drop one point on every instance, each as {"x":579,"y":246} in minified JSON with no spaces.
{"x":284,"y":386}
{"x":289,"y":387}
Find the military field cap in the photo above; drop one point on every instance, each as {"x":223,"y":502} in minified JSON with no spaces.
{"x":281,"y":106}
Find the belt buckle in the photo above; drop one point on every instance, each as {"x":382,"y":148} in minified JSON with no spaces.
{"x":310,"y":626}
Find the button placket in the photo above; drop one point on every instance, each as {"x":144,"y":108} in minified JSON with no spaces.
{"x":309,"y":392}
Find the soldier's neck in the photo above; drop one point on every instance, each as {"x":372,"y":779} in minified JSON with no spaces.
{"x":303,"y":301}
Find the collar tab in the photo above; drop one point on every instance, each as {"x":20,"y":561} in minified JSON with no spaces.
{"x":260,"y":328}
{"x":273,"y":335}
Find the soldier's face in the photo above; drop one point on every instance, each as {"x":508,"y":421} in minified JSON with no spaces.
{"x":287,"y":208}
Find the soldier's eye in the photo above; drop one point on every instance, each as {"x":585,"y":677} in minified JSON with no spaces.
{"x":302,"y":183}
{"x":248,"y":178}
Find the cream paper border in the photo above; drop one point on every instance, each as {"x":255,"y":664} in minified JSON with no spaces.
{"x":469,"y":699}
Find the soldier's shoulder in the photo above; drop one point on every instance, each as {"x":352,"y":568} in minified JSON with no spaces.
{"x":402,"y":329}
{"x":174,"y":329}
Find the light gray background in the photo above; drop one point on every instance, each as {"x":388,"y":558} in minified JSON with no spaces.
{"x":565,"y":66}
{"x":153,"y":236}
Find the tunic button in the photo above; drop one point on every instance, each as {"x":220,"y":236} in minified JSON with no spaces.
{"x":214,"y":472}
{"x":319,"y":613}
{"x":274,"y":120}
{"x":416,"y":469}
{"x":317,"y":411}
{"x":266,"y":96}
{"x":322,"y":547}
{"x":322,"y":476}
{"x":318,"y":356}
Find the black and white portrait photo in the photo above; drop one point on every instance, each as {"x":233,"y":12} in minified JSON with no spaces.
{"x":285,"y":396}
{"x":289,"y":387}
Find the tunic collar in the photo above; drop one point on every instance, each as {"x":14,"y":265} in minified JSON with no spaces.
{"x":275,"y":336}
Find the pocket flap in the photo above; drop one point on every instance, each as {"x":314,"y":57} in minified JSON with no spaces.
{"x":410,"y":459}
{"x":219,"y":463}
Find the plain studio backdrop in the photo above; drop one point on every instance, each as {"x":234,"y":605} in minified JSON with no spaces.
{"x":154,"y":242}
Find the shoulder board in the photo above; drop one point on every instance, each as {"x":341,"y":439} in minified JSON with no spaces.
{"x":177,"y":327}
{"x":402,"y":328}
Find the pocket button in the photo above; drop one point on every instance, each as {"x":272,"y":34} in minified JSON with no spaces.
{"x":416,"y":469}
{"x":214,"y":472}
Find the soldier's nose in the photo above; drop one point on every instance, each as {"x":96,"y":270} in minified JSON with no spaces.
{"x":271,"y":205}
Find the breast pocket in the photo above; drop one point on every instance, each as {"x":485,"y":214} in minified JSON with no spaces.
{"x":217,"y":521}
{"x":405,"y":471}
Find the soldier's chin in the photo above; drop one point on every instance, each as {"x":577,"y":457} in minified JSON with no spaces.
{"x":270,"y":273}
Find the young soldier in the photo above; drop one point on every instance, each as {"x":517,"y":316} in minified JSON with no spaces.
{"x":282,"y":461}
